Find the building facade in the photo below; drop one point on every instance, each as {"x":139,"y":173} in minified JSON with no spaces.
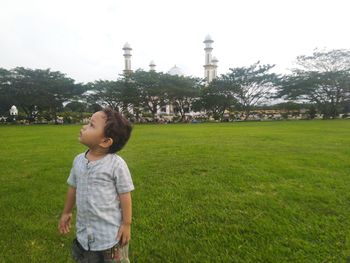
{"x":210,"y":72}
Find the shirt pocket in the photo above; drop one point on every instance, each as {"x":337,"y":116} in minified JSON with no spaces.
{"x":103,"y":191}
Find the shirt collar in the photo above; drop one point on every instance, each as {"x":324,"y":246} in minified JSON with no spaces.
{"x":96,"y":161}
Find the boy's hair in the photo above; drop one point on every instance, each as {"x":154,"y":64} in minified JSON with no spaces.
{"x":118,"y":128}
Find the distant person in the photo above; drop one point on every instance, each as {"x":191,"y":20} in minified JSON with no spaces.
{"x":100,"y":184}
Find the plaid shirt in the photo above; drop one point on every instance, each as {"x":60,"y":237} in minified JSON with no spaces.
{"x":98,"y":184}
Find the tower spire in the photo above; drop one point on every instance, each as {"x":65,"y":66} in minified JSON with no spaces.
{"x":210,"y":62}
{"x":127,"y":58}
{"x":152,"y":66}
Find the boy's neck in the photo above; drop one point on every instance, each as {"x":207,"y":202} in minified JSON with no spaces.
{"x":95,"y":154}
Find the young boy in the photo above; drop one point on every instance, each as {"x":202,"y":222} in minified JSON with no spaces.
{"x":100,"y":184}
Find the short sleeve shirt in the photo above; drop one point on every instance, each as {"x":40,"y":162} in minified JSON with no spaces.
{"x":98,"y":184}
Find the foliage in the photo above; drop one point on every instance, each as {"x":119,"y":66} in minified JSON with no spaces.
{"x":44,"y":89}
{"x":323,"y":79}
{"x":320,"y":83}
{"x":215,"y":99}
{"x":106,"y":93}
{"x":251,"y":86}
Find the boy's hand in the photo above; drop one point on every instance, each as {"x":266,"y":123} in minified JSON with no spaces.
{"x":65,"y":223}
{"x":124,"y":234}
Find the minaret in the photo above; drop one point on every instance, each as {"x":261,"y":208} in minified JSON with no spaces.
{"x":215,"y":65}
{"x":210,"y":64}
{"x":127,"y":58}
{"x":152,"y":66}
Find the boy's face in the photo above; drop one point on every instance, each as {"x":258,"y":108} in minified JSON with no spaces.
{"x":92,"y":134}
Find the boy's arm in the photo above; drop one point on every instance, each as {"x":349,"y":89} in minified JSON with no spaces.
{"x":125,"y":203}
{"x":65,"y":221}
{"x":70,"y":200}
{"x":124,"y":230}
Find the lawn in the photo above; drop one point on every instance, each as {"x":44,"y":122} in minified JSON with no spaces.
{"x":226,"y":192}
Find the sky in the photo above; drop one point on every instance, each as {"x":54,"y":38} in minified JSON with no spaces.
{"x":84,"y":38}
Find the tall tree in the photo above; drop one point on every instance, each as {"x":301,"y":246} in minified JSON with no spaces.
{"x":5,"y":93}
{"x":251,"y":86}
{"x":106,"y":93}
{"x":76,"y":106}
{"x":215,"y":99}
{"x":322,"y":78}
{"x":131,"y":97}
{"x":181,"y":92}
{"x":152,"y":92}
{"x":43,"y":88}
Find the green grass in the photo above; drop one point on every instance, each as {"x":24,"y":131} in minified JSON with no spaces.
{"x":235,"y":192}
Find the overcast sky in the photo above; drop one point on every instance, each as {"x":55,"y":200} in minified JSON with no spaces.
{"x":84,"y":38}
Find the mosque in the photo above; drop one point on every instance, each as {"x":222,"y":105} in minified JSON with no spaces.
{"x":210,"y":66}
{"x":210,"y":72}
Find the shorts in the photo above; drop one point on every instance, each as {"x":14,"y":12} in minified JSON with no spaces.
{"x":115,"y":254}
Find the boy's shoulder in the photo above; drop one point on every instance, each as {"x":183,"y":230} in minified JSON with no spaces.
{"x":117,"y":160}
{"x":114,"y":160}
{"x":79,"y":157}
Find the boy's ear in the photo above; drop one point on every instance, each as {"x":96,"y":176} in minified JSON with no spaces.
{"x":106,"y":142}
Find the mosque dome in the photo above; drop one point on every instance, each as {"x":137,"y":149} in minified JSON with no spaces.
{"x":176,"y":71}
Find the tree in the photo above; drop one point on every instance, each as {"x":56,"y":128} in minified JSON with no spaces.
{"x":312,"y":112}
{"x":5,"y":98}
{"x":131,"y":97}
{"x":251,"y":86}
{"x":46,"y":89}
{"x":150,"y":89}
{"x":322,"y":78}
{"x":181,"y":92}
{"x":215,"y":99}
{"x":106,"y":93}
{"x":76,"y":106}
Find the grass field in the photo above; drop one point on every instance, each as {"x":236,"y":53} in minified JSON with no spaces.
{"x":235,"y":192}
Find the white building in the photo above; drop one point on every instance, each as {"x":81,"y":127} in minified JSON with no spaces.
{"x":127,"y":58}
{"x":210,"y":72}
{"x":210,"y":66}
{"x":13,"y":111}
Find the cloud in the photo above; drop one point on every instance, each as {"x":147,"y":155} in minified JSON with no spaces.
{"x":85,"y":38}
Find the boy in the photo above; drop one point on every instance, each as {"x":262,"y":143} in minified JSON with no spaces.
{"x":100,"y":184}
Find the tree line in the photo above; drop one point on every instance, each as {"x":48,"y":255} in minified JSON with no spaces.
{"x":321,"y":79}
